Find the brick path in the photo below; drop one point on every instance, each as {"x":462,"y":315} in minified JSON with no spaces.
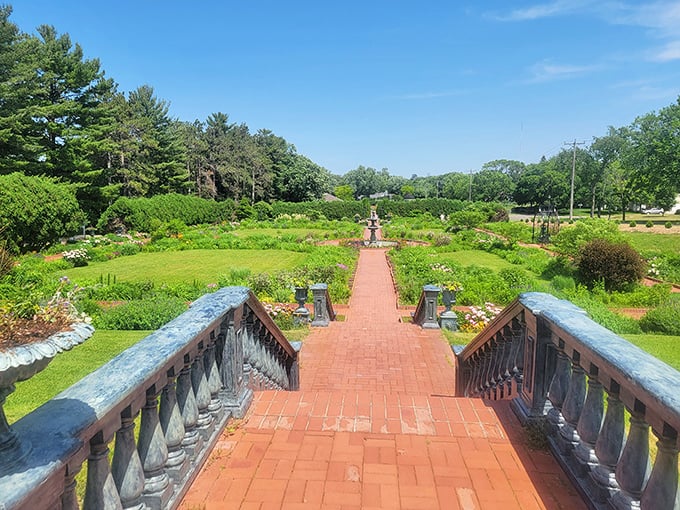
{"x":375,"y":426}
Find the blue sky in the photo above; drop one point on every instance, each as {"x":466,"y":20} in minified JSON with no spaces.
{"x":422,"y":87}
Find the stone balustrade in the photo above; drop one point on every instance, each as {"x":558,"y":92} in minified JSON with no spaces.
{"x":583,"y":383}
{"x":181,"y":384}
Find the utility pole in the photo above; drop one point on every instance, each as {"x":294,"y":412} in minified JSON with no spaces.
{"x":573,"y":176}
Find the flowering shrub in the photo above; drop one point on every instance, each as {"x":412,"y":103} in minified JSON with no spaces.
{"x":444,"y":277}
{"x":478,"y":318}
{"x":281,"y":313}
{"x":78,"y":257}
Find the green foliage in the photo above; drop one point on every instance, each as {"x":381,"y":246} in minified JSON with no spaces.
{"x":569,"y":240}
{"x":244,"y":210}
{"x":263,"y":211}
{"x":36,"y":211}
{"x":668,"y":224}
{"x":6,"y":260}
{"x":139,"y":213}
{"x":331,"y":210}
{"x":632,"y":224}
{"x":467,"y":219}
{"x":559,"y":266}
{"x":615,"y":264}
{"x":598,"y":311}
{"x":143,"y":314}
{"x":663,"y":319}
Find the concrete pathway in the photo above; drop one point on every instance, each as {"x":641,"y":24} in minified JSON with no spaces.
{"x":375,"y":426}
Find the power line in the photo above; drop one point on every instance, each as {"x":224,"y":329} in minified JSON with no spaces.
{"x":573,"y":175}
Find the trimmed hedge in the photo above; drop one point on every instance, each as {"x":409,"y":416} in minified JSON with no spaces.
{"x":362,"y":208}
{"x":329,"y":210}
{"x":138,"y":213}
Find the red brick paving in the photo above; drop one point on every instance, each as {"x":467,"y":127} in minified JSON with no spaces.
{"x":375,"y":426}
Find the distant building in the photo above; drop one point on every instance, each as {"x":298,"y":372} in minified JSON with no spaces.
{"x":382,"y":194}
{"x":327,"y":197}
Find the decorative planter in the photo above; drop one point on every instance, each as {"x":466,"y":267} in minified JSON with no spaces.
{"x":301,"y":314}
{"x":448,"y":298}
{"x":21,"y":363}
{"x":448,"y":319}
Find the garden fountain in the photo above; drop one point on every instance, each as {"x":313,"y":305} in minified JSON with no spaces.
{"x":373,"y":241}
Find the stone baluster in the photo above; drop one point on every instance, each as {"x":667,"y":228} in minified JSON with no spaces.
{"x":496,"y":354}
{"x":476,"y":368}
{"x":186,"y":400}
{"x":126,"y":469}
{"x":558,"y":388}
{"x":608,"y":447}
{"x":100,"y":492}
{"x":215,"y":407}
{"x":479,"y":379}
{"x":573,"y":405}
{"x":661,"y":492}
{"x":504,"y":365}
{"x":69,"y":499}
{"x":589,"y":424}
{"x":490,"y":352}
{"x":205,"y":423}
{"x":267,"y":355}
{"x":153,"y":452}
{"x":632,"y":470}
{"x":503,"y":372}
{"x":172,"y":425}
{"x":284,"y":368}
{"x":246,"y":333}
{"x":256,"y":362}
{"x":235,"y":369}
{"x":518,"y":339}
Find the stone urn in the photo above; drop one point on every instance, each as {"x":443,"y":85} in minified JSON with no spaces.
{"x":448,"y":319}
{"x":20,"y":363}
{"x":448,"y":298}
{"x":301,"y":314}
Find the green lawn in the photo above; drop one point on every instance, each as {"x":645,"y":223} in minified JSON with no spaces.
{"x":68,"y":368}
{"x":648,"y":241}
{"x":476,"y":258}
{"x":174,"y":267}
{"x":664,"y":347}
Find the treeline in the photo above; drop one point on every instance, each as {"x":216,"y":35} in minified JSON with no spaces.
{"x":61,"y":117}
{"x":634,"y":165}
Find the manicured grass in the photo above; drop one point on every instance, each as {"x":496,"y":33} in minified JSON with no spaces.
{"x":203,"y":266}
{"x":664,"y":347}
{"x":68,"y":368}
{"x":476,"y":258}
{"x":648,"y":241}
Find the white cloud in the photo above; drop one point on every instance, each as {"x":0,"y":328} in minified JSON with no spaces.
{"x":547,"y":71}
{"x":546,"y":10}
{"x":429,"y":95}
{"x":669,"y":52}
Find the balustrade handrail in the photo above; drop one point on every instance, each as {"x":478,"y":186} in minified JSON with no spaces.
{"x":203,"y":351}
{"x":494,"y":326}
{"x":329,"y":305}
{"x":558,"y":365}
{"x":258,"y":308}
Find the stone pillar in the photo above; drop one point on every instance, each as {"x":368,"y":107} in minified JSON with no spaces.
{"x":321,"y":317}
{"x":431,"y":297}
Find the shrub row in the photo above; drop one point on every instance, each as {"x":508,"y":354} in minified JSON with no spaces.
{"x":142,"y":214}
